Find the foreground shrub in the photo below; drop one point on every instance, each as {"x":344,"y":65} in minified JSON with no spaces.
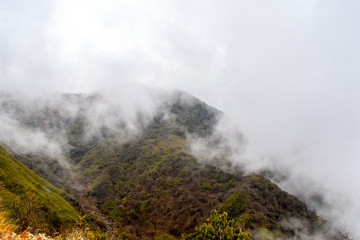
{"x":218,"y":227}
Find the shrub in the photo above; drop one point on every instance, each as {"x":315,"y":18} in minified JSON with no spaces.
{"x":218,"y":227}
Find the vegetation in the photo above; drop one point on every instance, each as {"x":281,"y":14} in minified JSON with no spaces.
{"x":165,"y":237}
{"x":154,"y":185}
{"x":218,"y":227}
{"x":31,"y":200}
{"x":149,"y":186}
{"x":257,"y":203}
{"x":10,"y":231}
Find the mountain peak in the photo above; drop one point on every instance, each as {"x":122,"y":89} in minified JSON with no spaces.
{"x":140,"y":173}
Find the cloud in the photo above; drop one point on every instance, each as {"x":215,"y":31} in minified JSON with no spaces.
{"x":124,"y":111}
{"x":23,"y":140}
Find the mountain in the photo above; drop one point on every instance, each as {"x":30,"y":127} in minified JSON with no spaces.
{"x":140,"y":178}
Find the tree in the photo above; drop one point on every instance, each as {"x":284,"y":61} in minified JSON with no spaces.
{"x":343,"y":234}
{"x":218,"y":227}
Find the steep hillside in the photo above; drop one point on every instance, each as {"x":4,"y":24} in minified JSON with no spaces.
{"x":150,"y":182}
{"x":31,"y":200}
{"x":155,"y":185}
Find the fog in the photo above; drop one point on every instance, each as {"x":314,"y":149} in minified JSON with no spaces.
{"x":285,"y":73}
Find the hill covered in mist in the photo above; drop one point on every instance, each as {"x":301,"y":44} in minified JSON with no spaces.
{"x":143,"y":168}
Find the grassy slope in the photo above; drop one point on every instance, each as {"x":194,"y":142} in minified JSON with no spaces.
{"x":18,"y":180}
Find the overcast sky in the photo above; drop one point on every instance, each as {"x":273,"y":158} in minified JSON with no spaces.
{"x":287,"y":72}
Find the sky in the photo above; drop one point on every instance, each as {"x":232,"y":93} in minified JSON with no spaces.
{"x":285,"y":72}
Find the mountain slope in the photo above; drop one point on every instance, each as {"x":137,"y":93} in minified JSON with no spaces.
{"x":29,"y":197}
{"x":156,"y":185}
{"x":150,"y":182}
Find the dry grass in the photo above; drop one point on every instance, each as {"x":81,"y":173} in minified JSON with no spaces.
{"x":8,"y":231}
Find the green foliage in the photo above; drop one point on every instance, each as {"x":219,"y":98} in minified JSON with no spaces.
{"x":206,"y":185}
{"x":245,"y":219}
{"x":235,"y":204}
{"x":177,"y":181}
{"x":258,"y":203}
{"x":165,"y":237}
{"x":218,"y":227}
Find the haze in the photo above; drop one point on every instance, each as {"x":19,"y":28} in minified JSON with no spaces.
{"x":285,"y":72}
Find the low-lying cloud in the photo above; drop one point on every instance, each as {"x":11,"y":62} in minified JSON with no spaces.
{"x":317,"y":174}
{"x":24,"y":140}
{"x":42,"y":124}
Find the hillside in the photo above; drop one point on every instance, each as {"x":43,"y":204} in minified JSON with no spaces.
{"x":31,"y":200}
{"x":155,"y":185}
{"x":150,"y":182}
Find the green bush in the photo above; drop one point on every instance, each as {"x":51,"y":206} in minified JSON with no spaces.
{"x":218,"y":227}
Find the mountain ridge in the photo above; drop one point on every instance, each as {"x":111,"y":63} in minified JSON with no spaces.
{"x":151,"y":183}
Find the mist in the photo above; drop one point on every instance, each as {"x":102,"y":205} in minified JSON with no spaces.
{"x":285,"y":73}
{"x":42,"y":124}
